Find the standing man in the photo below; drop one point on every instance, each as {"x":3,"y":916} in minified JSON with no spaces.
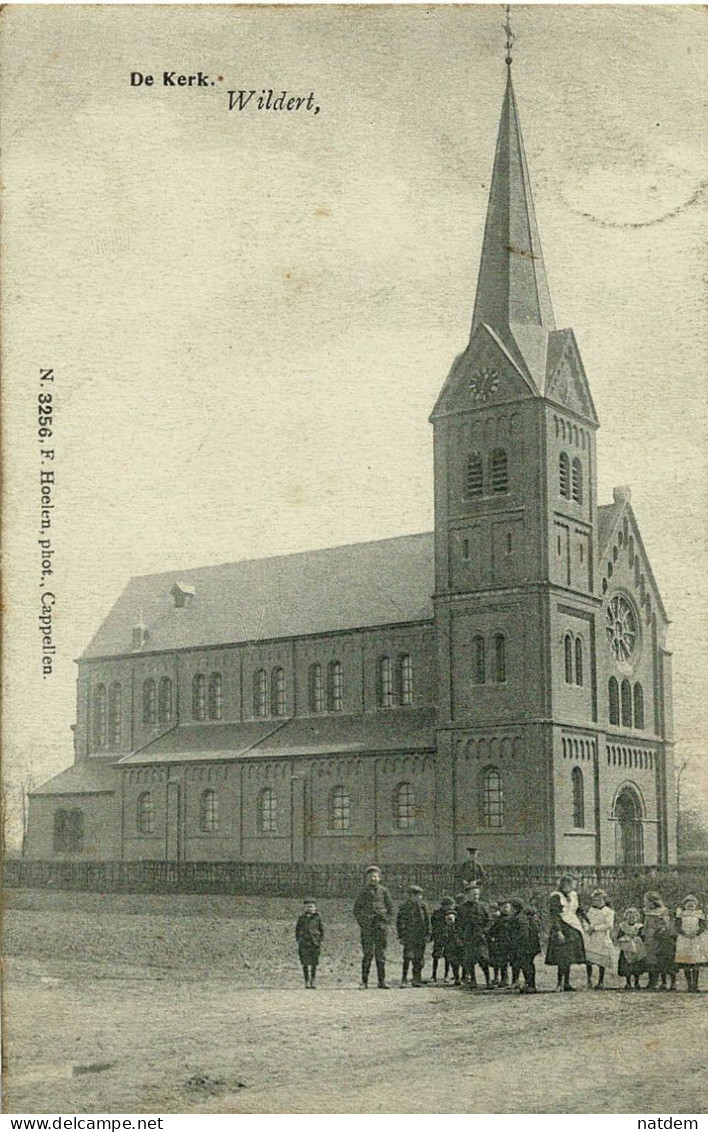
{"x":471,"y":871}
{"x":373,"y":911}
{"x":413,"y":926}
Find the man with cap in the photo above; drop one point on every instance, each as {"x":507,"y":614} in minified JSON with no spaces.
{"x":471,"y":872}
{"x":373,"y":911}
{"x":413,"y":926}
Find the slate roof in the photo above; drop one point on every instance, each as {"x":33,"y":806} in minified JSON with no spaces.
{"x":346,"y":587}
{"x":607,"y":516}
{"x":86,"y":777}
{"x":397,"y":730}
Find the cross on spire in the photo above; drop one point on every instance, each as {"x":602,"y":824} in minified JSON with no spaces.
{"x":510,"y":37}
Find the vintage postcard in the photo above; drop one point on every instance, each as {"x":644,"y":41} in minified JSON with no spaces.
{"x":356,"y":632}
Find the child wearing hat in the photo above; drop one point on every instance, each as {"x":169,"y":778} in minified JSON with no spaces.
{"x":373,"y":911}
{"x":453,"y":949}
{"x":413,"y":927}
{"x":437,"y":930}
{"x":309,"y":933}
{"x":691,"y":941}
{"x":524,"y":944}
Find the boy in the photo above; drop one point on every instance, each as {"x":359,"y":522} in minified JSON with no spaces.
{"x":437,"y":928}
{"x":413,"y":926}
{"x":373,"y":911}
{"x":309,"y":934}
{"x":524,"y":945}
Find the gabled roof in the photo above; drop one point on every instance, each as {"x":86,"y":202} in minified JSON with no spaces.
{"x":346,"y":587}
{"x":404,"y":729}
{"x":610,"y":517}
{"x":90,"y":776}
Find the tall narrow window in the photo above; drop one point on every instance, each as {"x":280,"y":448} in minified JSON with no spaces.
{"x":115,"y":715}
{"x":335,"y":686}
{"x":146,"y":813}
{"x":404,"y":813}
{"x":613,"y":695}
{"x":384,"y":682}
{"x":315,"y":689}
{"x":277,"y":691}
{"x":339,"y":810}
{"x":267,"y":812}
{"x":149,"y":702}
{"x":199,"y":697}
{"x":474,"y":478}
{"x":209,"y":812}
{"x":479,"y":672}
{"x":492,"y":799}
{"x":639,"y":707}
{"x":499,"y":658}
{"x":577,"y":480}
{"x":578,"y":798}
{"x":405,"y":679}
{"x":216,"y":696}
{"x":578,"y":661}
{"x":99,"y":716}
{"x":626,"y":704}
{"x":568,"y":643}
{"x":564,"y":475}
{"x":164,"y":703}
{"x":499,"y":471}
{"x":260,"y":693}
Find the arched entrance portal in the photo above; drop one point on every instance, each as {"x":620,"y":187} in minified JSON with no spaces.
{"x":629,"y":839}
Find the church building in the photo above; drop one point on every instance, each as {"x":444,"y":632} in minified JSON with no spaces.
{"x":502,"y":681}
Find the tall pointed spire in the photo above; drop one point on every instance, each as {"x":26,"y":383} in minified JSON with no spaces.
{"x":512,"y":286}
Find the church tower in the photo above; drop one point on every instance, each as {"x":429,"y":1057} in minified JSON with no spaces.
{"x":517,"y":602}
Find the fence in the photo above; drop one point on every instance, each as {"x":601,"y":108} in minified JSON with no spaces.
{"x":624,"y":884}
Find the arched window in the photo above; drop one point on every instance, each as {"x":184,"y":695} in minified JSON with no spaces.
{"x":492,"y":799}
{"x":149,"y":702}
{"x":267,"y":812}
{"x":260,"y":693}
{"x":405,"y":679}
{"x":68,"y":831}
{"x":639,"y":707}
{"x":577,"y":480}
{"x":626,"y":704}
{"x":499,"y":470}
{"x":335,"y":686}
{"x":146,"y":813}
{"x":99,"y":716}
{"x":199,"y":697}
{"x":564,"y":475}
{"x":568,"y":643}
{"x":404,"y":806}
{"x":499,"y":658}
{"x":164,"y":702}
{"x":216,"y":696}
{"x":277,"y":691}
{"x":209,"y":812}
{"x":316,"y":688}
{"x":479,"y":672}
{"x":474,"y":476}
{"x":576,"y":778}
{"x":384,"y":683}
{"x":339,"y":810}
{"x":578,"y":661}
{"x":613,"y":692}
{"x":115,"y":706}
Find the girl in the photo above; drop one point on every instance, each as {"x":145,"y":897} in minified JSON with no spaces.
{"x":660,"y":942}
{"x":565,"y":939}
{"x":598,"y":943}
{"x":633,"y":953}
{"x":692,"y":941}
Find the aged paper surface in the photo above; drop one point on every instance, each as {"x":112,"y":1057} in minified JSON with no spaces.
{"x":244,"y":312}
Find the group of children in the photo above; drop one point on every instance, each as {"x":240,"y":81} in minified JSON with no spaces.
{"x":505,"y":939}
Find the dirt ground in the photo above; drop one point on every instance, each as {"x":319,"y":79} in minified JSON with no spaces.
{"x":158,"y":1004}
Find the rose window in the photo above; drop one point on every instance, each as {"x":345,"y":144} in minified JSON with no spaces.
{"x":621,"y":628}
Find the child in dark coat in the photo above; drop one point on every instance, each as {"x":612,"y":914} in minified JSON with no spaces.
{"x":437,"y":928}
{"x":309,"y":933}
{"x":453,"y":949}
{"x":524,"y":945}
{"x":413,"y":926}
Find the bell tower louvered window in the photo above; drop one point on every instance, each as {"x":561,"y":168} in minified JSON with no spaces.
{"x":474,"y":479}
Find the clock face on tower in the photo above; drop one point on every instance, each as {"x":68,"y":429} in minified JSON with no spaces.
{"x":484,"y":383}
{"x":621,"y":628}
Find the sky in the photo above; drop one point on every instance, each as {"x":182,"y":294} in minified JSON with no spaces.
{"x":250,"y":314}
